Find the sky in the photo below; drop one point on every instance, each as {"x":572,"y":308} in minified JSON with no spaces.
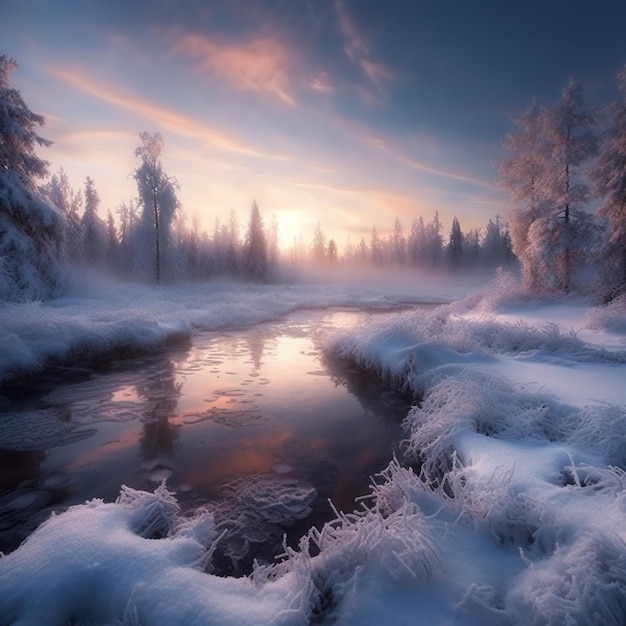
{"x":350,"y":112}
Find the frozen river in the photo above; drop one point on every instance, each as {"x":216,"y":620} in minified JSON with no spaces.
{"x":234,"y":421}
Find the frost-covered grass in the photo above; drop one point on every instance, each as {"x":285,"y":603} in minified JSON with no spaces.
{"x":113,"y":321}
{"x":507,"y":504}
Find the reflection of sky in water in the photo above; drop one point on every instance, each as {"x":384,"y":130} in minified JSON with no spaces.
{"x":237,"y":403}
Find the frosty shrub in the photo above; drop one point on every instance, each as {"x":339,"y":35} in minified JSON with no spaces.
{"x":483,"y":403}
{"x":582,"y":583}
{"x":154,"y":514}
{"x":601,"y":427}
{"x":611,"y":317}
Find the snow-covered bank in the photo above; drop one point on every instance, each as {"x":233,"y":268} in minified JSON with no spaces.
{"x":508,"y":505}
{"x":520,"y":433}
{"x":111,"y":321}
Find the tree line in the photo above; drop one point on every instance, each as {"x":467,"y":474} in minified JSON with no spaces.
{"x":565,"y":169}
{"x":560,"y":165}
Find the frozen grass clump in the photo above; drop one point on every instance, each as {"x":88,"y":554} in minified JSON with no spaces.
{"x":611,"y":317}
{"x":601,"y":427}
{"x":483,"y":403}
{"x":414,"y":350}
{"x":581,"y":583}
{"x":389,"y":537}
{"x":153,"y":514}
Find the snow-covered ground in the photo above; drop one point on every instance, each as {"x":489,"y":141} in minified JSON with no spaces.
{"x":507,"y":507}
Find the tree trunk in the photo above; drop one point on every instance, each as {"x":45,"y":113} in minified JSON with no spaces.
{"x":156,"y":236}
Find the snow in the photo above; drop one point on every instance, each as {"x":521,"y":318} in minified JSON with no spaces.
{"x":506,"y":505}
{"x":108,"y":321}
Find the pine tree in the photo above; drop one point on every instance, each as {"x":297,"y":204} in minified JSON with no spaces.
{"x":550,"y":229}
{"x":94,"y":233}
{"x":256,"y":263}
{"x":609,"y":176}
{"x":318,"y":246}
{"x":559,"y":239}
{"x":455,"y":245}
{"x":69,"y":202}
{"x":398,"y":244}
{"x":521,"y":173}
{"x":331,"y":252}
{"x":32,"y":231}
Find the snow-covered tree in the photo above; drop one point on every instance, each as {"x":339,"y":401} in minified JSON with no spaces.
{"x":609,"y":176}
{"x":455,"y":245}
{"x":113,"y":243}
{"x":521,"y":174}
{"x":128,"y":220}
{"x":560,"y":237}
{"x":318,"y":246}
{"x":376,"y":248}
{"x":433,"y":243}
{"x":94,"y":231}
{"x":331,"y":251}
{"x":416,"y":245}
{"x":543,"y":173}
{"x":398,"y":244}
{"x":272,"y":243}
{"x":69,"y":201}
{"x":32,"y":231}
{"x":159,"y":205}
{"x":255,"y":248}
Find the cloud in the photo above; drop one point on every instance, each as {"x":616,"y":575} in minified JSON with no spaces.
{"x":381,"y":144}
{"x":321,"y":83}
{"x":358,"y":50}
{"x":261,"y":65}
{"x":168,"y":119}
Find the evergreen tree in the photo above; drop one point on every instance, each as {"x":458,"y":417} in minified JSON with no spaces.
{"x":256,"y":263}
{"x":550,"y":231}
{"x":331,"y":253}
{"x":455,"y":245}
{"x":398,"y":244}
{"x":433,"y":244}
{"x":318,"y":247}
{"x":272,"y":239}
{"x":69,"y":202}
{"x":376,"y":251}
{"x":521,"y":173}
{"x":32,"y":231}
{"x":559,"y":239}
{"x":94,"y":242}
{"x":113,"y":244}
{"x":609,"y":176}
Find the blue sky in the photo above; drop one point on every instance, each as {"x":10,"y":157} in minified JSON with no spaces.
{"x":353,"y":112}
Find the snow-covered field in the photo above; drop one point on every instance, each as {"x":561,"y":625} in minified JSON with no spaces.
{"x":508,"y":505}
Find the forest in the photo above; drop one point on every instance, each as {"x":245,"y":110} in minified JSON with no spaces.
{"x":563,"y":166}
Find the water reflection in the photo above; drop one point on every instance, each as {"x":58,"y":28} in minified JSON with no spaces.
{"x":236,"y":405}
{"x":160,"y":393}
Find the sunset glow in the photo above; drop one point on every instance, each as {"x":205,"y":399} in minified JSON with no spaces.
{"x":344,"y":112}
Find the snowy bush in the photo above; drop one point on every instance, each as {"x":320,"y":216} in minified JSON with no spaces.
{"x":611,"y":317}
{"x":582,"y":583}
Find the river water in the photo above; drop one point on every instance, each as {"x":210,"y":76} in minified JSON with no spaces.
{"x":235,"y":421}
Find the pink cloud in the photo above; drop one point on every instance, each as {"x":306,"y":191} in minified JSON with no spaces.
{"x":261,"y":65}
{"x":165,"y":118}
